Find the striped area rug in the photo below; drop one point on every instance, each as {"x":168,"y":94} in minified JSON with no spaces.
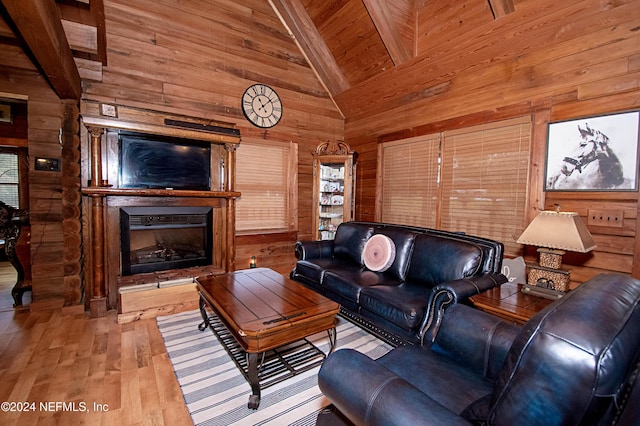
{"x":215,"y":391}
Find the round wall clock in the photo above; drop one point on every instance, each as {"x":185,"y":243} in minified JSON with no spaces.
{"x":261,"y":105}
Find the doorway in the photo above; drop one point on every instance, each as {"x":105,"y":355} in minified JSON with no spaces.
{"x":14,"y":197}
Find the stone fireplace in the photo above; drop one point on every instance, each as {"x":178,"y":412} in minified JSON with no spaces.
{"x":144,"y":235}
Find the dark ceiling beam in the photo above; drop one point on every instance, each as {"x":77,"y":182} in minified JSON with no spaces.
{"x":39,"y":25}
{"x":294,"y":16}
{"x":500,"y":8}
{"x":381,"y":16}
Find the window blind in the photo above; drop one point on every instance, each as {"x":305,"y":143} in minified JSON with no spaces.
{"x":410,"y":181}
{"x":9,"y":193}
{"x":485,"y":180}
{"x":262,"y":177}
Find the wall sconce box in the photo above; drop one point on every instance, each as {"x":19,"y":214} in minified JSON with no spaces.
{"x":47,"y":164}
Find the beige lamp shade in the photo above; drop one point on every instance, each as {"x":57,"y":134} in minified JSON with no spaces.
{"x":558,"y":230}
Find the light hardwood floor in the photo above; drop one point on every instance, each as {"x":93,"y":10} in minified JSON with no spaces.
{"x":120,"y":373}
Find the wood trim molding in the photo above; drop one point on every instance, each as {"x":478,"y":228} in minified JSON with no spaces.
{"x":155,"y":122}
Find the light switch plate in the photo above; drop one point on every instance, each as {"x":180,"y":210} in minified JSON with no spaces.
{"x":607,"y":218}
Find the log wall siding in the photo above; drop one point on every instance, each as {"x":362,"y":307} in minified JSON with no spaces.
{"x":553,"y":60}
{"x":56,"y":268}
{"x":198,"y":61}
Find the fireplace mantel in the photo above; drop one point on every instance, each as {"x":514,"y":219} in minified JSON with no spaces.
{"x":132,"y":192}
{"x":106,"y":197}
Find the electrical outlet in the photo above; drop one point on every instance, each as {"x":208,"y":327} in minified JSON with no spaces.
{"x":608,"y":218}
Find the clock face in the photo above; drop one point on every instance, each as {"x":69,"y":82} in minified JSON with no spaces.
{"x":261,"y":105}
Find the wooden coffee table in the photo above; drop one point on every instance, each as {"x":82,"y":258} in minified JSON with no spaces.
{"x":258,"y":313}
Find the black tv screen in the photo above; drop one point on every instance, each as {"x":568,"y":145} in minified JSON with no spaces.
{"x":157,"y":162}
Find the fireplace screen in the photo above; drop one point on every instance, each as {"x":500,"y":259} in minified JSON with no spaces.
{"x":161,"y":238}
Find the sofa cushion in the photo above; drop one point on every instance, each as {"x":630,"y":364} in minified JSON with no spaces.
{"x":439,"y":377}
{"x":350,"y":240}
{"x":349,"y":282}
{"x":403,"y":241}
{"x":438,"y":259}
{"x":403,"y":305}
{"x":379,"y":253}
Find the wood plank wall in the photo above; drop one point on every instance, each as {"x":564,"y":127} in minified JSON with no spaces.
{"x":553,"y":60}
{"x":197,"y":61}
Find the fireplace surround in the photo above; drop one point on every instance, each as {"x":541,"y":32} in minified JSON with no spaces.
{"x":106,"y":198}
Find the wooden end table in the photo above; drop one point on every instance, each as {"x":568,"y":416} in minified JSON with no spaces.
{"x":259,"y":313}
{"x":509,"y":302}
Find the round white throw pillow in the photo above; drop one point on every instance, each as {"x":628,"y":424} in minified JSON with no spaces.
{"x":379,"y":253}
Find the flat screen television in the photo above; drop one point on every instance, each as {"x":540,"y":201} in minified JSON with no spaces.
{"x":158,"y":162}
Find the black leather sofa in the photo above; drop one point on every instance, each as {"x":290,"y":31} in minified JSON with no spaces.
{"x":431,"y":270}
{"x":574,"y":363}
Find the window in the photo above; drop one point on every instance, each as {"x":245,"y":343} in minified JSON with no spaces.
{"x":410,"y":181}
{"x":266,"y":177}
{"x":480,"y":186}
{"x":9,"y":179}
{"x":484,"y":180}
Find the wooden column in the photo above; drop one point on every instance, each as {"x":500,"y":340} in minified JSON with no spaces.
{"x":230,"y":166}
{"x":230,"y":185}
{"x":98,"y":300}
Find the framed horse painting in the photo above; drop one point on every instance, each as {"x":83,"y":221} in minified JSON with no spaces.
{"x":593,"y":154}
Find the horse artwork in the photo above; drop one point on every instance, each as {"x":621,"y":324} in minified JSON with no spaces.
{"x":591,"y":165}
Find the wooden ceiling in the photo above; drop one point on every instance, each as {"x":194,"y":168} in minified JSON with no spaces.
{"x":345,"y":41}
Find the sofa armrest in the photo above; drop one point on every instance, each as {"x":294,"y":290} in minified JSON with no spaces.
{"x":446,"y":294}
{"x":475,"y":339}
{"x":314,"y":249}
{"x":368,"y":393}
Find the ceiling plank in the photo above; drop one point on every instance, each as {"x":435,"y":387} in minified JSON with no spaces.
{"x":501,"y":8}
{"x":297,"y":21}
{"x":381,"y":16}
{"x":38,"y":22}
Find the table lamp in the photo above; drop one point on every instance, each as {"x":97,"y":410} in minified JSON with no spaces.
{"x":554,"y":232}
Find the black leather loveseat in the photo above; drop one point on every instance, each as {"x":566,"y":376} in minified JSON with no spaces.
{"x":574,"y":363}
{"x":431,"y":269}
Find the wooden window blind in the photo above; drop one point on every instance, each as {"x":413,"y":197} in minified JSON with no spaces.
{"x":409,"y":176}
{"x":265,"y":177}
{"x":485,"y":180}
{"x":9,"y":179}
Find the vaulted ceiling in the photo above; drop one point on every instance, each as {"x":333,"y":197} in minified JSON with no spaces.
{"x":345,"y":41}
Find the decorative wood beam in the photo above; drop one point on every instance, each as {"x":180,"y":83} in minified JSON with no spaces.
{"x":500,"y":8}
{"x":90,"y":16}
{"x":295,"y":18}
{"x":38,"y":22}
{"x":381,"y":16}
{"x":97,"y":10}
